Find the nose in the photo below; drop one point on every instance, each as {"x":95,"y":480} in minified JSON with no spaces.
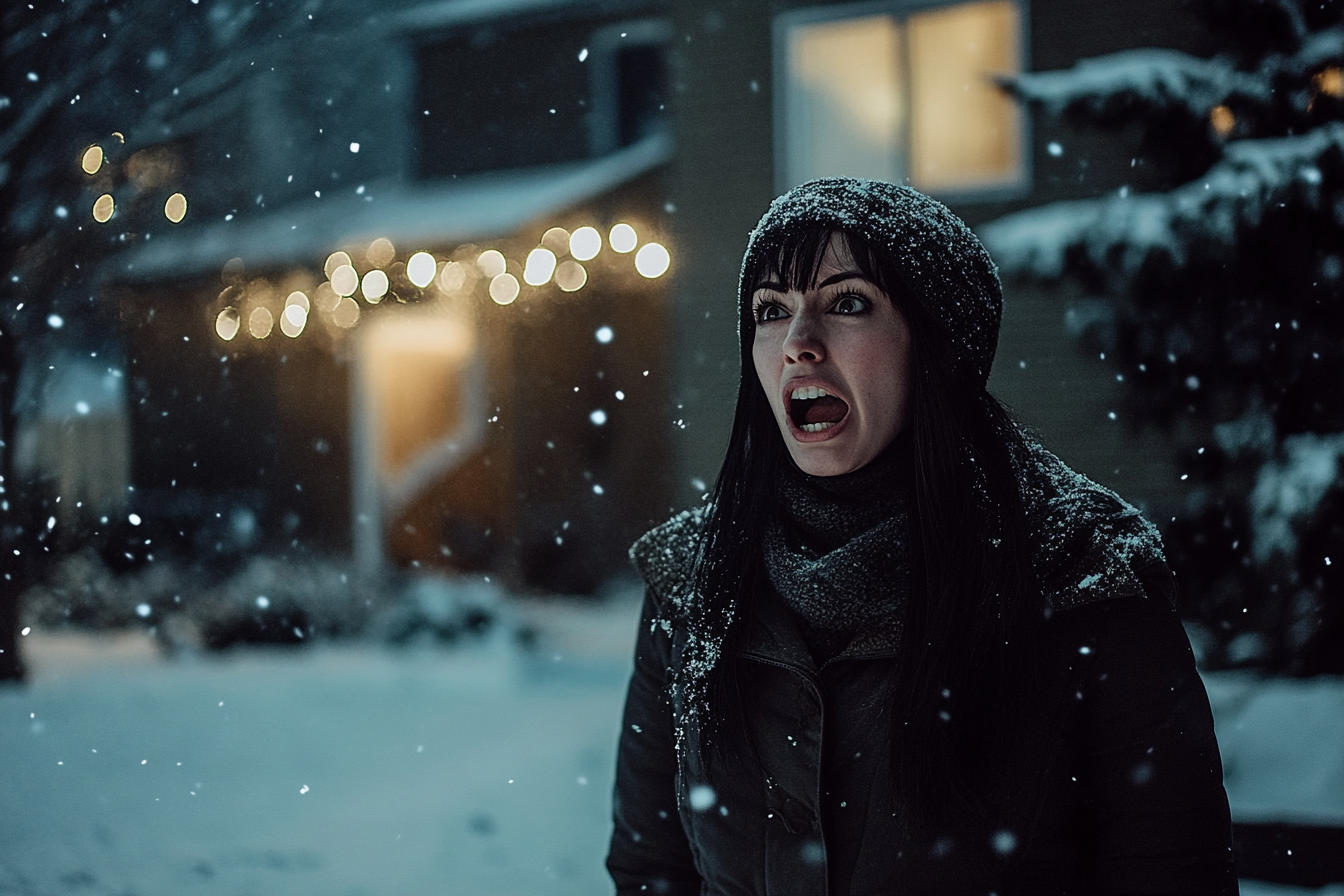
{"x":804,"y":341}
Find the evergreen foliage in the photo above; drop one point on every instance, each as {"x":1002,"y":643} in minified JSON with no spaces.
{"x":1219,"y":294}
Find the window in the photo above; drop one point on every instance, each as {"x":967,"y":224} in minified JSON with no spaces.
{"x":629,"y":84}
{"x":903,"y":95}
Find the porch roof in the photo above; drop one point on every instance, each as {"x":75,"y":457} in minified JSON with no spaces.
{"x":423,"y":214}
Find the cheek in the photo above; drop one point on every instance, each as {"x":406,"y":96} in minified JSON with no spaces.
{"x":889,"y":392}
{"x":764,"y":359}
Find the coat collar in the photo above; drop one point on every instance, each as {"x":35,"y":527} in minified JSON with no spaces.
{"x":774,"y":635}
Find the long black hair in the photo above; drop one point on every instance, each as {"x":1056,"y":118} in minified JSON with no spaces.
{"x":969,"y":629}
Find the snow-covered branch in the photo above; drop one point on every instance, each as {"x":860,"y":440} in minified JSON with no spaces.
{"x":1119,"y":234}
{"x":1137,"y":84}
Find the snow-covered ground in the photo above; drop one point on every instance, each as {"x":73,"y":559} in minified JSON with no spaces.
{"x":342,"y":770}
{"x":332,"y":771}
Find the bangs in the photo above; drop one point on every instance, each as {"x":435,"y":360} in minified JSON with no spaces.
{"x":796,"y":260}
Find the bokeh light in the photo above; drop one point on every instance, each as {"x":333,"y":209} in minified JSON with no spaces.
{"x":420,"y":269}
{"x":652,"y":260}
{"x":346,"y":313}
{"x":504,"y":288}
{"x":298,"y":297}
{"x":491,"y":262}
{"x":335,"y":260}
{"x":540,"y":266}
{"x":344,"y":280}
{"x":260,"y":322}
{"x":293,"y":320}
{"x":453,"y":277}
{"x":381,"y":252}
{"x":175,"y":209}
{"x":1330,"y":81}
{"x":623,"y":238}
{"x":324,"y":297}
{"x":556,"y":239}
{"x":227,"y":323}
{"x":585,"y":243}
{"x":570,"y":275}
{"x":92,"y":160}
{"x":103,"y":207}
{"x":374,"y":286}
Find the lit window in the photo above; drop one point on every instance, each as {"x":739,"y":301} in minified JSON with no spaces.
{"x":901,"y":97}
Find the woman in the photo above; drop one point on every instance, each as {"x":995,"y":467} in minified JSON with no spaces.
{"x":904,"y":649}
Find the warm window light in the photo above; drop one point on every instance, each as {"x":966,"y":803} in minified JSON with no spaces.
{"x":623,"y":238}
{"x":652,"y":260}
{"x":293,"y":320}
{"x":380,"y":252}
{"x":504,"y":288}
{"x":556,"y":239}
{"x":228,"y":323}
{"x":344,"y":280}
{"x":453,"y":277}
{"x":540,"y":266}
{"x":570,"y":275}
{"x":259,"y":323}
{"x":103,"y":207}
{"x":420,"y":269}
{"x":92,"y":160}
{"x":903,"y":96}
{"x":335,"y":260}
{"x":491,"y":262}
{"x":585,"y":243}
{"x":1222,"y":119}
{"x":374,"y":286}
{"x":1330,"y":81}
{"x":175,"y":209}
{"x":346,"y":313}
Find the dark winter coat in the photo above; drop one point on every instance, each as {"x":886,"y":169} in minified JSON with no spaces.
{"x":1118,"y":791}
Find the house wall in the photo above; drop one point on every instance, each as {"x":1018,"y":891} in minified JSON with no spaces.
{"x":723,"y":179}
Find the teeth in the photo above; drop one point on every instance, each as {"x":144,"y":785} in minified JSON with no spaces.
{"x":815,"y":427}
{"x":805,"y":393}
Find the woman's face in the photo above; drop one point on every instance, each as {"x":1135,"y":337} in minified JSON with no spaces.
{"x":834,"y":360}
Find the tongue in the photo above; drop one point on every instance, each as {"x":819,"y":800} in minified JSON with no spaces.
{"x":827,"y":409}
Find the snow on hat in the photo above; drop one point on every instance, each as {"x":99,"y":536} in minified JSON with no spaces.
{"x":940,"y":259}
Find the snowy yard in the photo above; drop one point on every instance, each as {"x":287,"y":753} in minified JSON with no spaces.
{"x":336,"y":771}
{"x":482,"y":769}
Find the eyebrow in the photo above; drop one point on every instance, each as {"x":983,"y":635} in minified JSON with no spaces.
{"x":776,"y":286}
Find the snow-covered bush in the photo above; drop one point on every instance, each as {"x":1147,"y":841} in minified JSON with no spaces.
{"x":266,"y":600}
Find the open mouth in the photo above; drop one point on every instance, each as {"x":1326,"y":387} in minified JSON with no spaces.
{"x":813,"y":409}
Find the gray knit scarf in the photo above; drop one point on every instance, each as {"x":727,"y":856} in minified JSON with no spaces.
{"x":837,"y":550}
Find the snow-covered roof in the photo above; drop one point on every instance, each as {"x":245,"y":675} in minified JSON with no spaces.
{"x":445,"y":13}
{"x":422,"y":213}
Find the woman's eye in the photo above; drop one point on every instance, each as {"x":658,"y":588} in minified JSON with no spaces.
{"x":850,"y":305}
{"x":767,"y":311}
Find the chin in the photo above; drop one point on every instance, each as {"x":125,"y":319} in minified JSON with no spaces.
{"x":818,"y":463}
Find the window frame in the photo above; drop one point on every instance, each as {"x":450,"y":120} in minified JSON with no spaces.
{"x":604,"y":126}
{"x":901,"y":10}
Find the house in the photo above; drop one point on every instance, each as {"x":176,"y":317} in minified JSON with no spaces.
{"x":408,"y":298}
{"x":362,"y":323}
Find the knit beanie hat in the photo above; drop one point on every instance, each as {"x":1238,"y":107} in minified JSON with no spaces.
{"x":939,"y":258}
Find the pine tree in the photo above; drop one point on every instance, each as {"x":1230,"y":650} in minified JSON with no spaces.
{"x":1218,"y":292}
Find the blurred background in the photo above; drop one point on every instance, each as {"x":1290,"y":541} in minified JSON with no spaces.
{"x":346,"y":346}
